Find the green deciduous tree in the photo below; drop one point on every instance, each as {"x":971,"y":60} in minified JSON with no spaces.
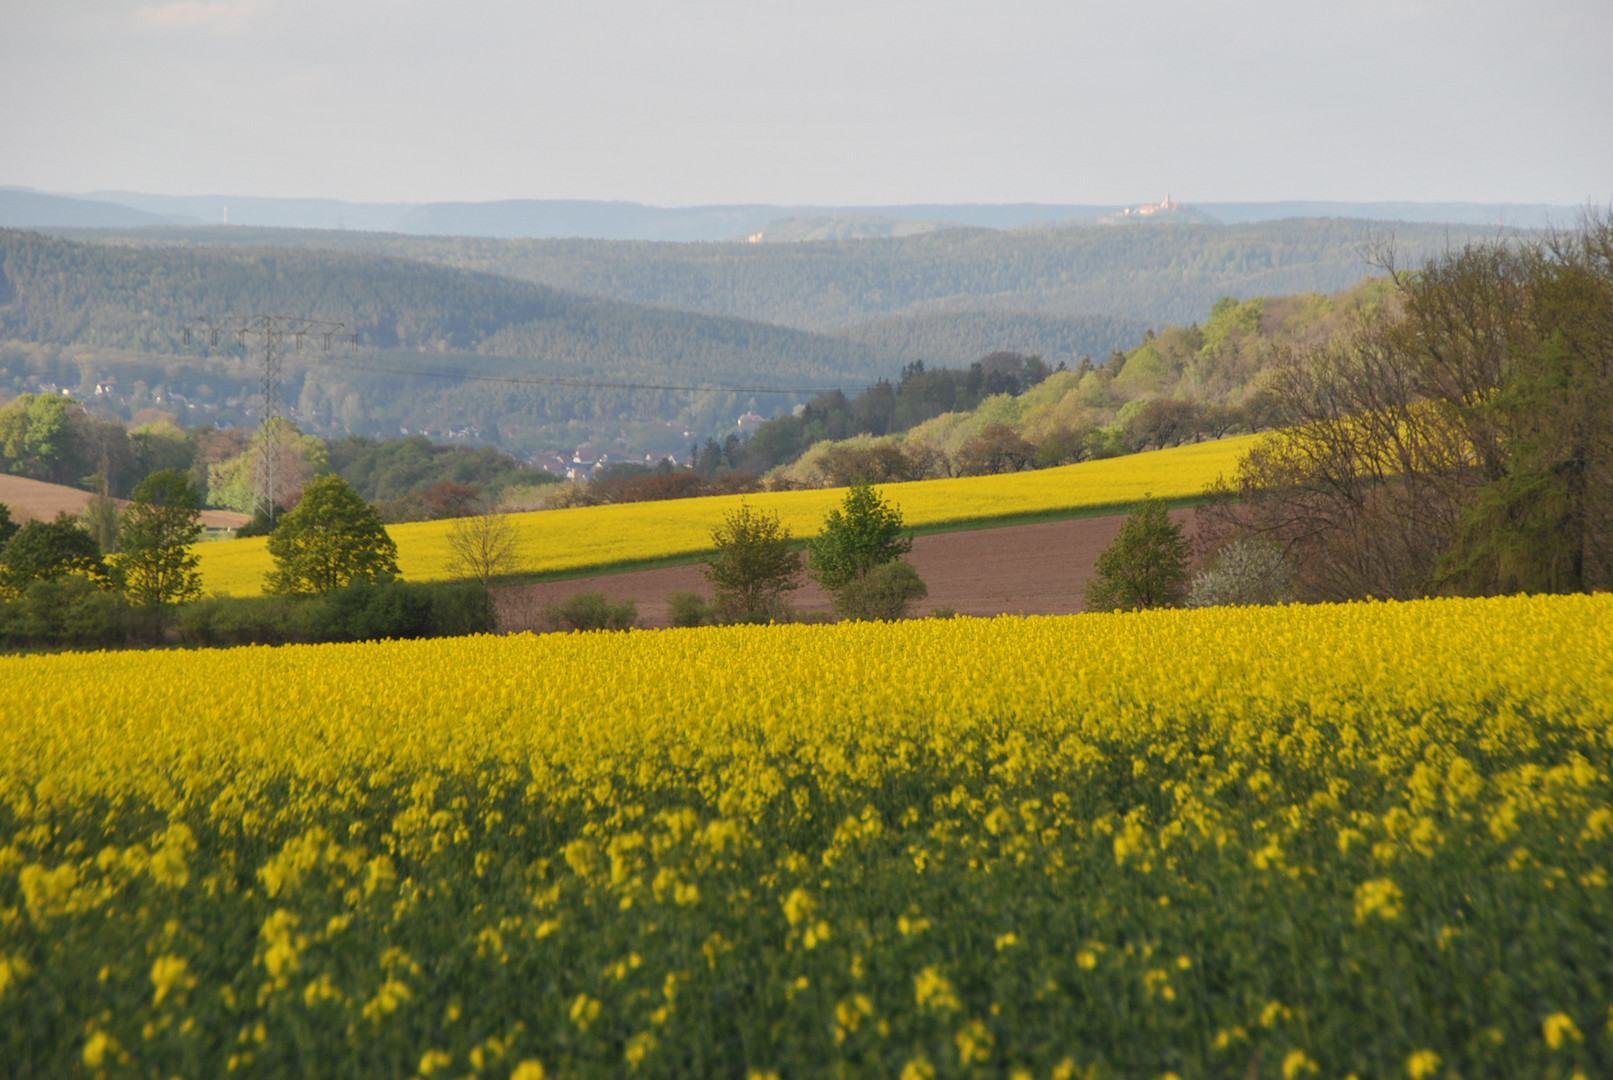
{"x":35,"y":437}
{"x":863,"y":532}
{"x":753,"y":566}
{"x":1145,"y":567}
{"x":297,"y":458}
{"x":331,"y":539}
{"x":45,"y":550}
{"x":157,"y":565}
{"x":8,"y":528}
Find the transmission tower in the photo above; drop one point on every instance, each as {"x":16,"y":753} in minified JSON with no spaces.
{"x":272,"y":333}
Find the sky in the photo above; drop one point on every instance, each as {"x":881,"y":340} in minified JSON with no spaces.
{"x":826,"y":102}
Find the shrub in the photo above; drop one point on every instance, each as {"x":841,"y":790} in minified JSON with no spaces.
{"x":591,"y":611}
{"x":884,"y":593}
{"x":361,"y":612}
{"x":1244,"y":572}
{"x":691,"y":609}
{"x":70,"y":611}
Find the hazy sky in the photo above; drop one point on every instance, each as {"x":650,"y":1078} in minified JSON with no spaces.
{"x":679,"y":102}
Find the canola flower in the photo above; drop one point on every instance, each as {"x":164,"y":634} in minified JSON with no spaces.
{"x":1368,"y":839}
{"x":582,"y":537}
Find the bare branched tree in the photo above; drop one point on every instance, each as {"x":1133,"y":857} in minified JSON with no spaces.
{"x":485,"y":544}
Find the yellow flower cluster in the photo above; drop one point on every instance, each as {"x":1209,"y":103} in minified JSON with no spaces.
{"x":604,"y":535}
{"x":1368,"y":839}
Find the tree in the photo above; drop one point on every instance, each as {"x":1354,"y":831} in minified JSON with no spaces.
{"x":997,"y":449}
{"x":862,"y":533}
{"x":46,"y":550}
{"x":157,"y":565}
{"x":8,"y":528}
{"x":484,"y":544}
{"x":296,"y":459}
{"x":1145,"y":567}
{"x":35,"y":436}
{"x":753,"y":566}
{"x":331,"y":539}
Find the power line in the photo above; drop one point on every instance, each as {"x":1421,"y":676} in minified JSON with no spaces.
{"x":272,"y":331}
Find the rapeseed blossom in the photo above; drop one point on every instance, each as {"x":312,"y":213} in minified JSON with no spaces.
{"x":1367,"y":839}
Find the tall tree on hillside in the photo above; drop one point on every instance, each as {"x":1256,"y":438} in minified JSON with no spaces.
{"x":157,"y":565}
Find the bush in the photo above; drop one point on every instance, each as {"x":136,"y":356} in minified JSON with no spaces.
{"x":1244,"y":572}
{"x":691,"y":609}
{"x":70,"y":611}
{"x":591,"y":611}
{"x":363,"y":611}
{"x":885,"y":592}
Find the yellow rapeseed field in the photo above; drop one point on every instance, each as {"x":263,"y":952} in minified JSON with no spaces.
{"x":602,"y":535}
{"x":1368,"y":840}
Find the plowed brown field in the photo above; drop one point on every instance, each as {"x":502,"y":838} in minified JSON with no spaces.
{"x":1039,"y":569}
{"x":30,"y":499}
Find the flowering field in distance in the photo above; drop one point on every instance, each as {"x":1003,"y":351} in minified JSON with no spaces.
{"x":603,"y":535}
{"x":1368,"y":840}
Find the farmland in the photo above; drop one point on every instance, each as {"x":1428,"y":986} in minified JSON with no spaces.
{"x":1368,"y":839}
{"x":602,"y":536}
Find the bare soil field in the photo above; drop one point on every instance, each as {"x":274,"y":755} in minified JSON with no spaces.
{"x":1039,"y":569}
{"x":31,"y":499}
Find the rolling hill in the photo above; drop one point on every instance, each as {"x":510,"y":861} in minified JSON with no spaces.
{"x":1153,"y":274}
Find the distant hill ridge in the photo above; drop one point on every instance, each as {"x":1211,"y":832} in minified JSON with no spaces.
{"x":605,"y":220}
{"x":1153,"y":275}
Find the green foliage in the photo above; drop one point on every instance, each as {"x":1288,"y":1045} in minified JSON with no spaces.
{"x":862,"y":533}
{"x":886,"y":592}
{"x":691,"y":609}
{"x":331,"y":539}
{"x":8,"y":528}
{"x":67,"y":611}
{"x":46,"y":550}
{"x":34,"y":436}
{"x":590,"y":611}
{"x":753,"y":566}
{"x":362,"y":611}
{"x":157,"y":566}
{"x":1459,"y":439}
{"x":298,"y":458}
{"x":393,"y":470}
{"x":1145,"y":567}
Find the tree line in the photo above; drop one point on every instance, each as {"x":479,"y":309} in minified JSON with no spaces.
{"x":1456,"y":440}
{"x":335,"y":578}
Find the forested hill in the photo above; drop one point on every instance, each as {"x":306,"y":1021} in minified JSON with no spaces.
{"x":1154,"y":274}
{"x":59,"y":292}
{"x":443,"y":349}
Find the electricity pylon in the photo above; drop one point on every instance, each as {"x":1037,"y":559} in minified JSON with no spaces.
{"x":271,"y":331}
